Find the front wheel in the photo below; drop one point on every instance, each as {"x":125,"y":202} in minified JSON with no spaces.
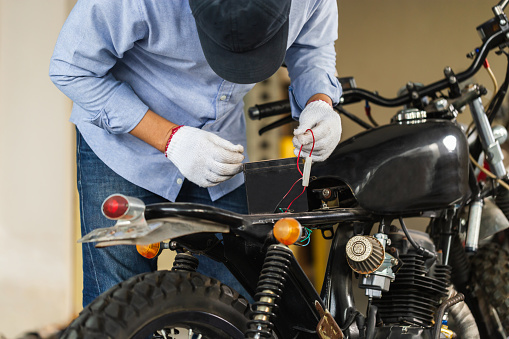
{"x":490,"y":274}
{"x":164,"y":304}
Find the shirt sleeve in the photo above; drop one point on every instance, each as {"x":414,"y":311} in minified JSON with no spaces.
{"x":311,"y":59}
{"x":95,"y":35}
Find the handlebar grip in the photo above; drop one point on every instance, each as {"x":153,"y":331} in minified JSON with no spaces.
{"x":258,"y":112}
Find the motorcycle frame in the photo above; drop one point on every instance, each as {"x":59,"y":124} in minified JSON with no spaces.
{"x":247,"y":243}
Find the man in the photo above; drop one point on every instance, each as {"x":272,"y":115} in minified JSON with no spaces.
{"x":157,"y":87}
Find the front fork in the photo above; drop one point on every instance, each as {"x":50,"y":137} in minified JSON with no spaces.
{"x":495,"y":158}
{"x":490,"y":145}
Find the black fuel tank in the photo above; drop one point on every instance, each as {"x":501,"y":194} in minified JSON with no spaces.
{"x":403,"y":168}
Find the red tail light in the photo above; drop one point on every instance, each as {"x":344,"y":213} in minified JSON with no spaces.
{"x":115,"y":206}
{"x":118,"y":206}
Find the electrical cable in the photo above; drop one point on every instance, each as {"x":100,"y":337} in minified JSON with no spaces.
{"x":420,"y":250}
{"x":488,"y":173}
{"x":301,"y":178}
{"x":493,"y":79}
{"x":372,"y":312}
{"x":351,"y":318}
{"x":367,"y":109}
{"x":300,"y":150}
{"x":298,"y":157}
{"x":283,"y":198}
{"x":304,"y":189}
{"x":352,"y":117}
{"x":307,"y":238}
{"x":308,"y":231}
{"x":499,"y":97}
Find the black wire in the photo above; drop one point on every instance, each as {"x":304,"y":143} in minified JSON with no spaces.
{"x":420,"y":250}
{"x":350,"y":320}
{"x":372,"y":120}
{"x":367,"y":109}
{"x":304,"y":330}
{"x":283,"y":198}
{"x":279,"y":203}
{"x":371,"y":322}
{"x":353,"y":117}
{"x":206,"y":249}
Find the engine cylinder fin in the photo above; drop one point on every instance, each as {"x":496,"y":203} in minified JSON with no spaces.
{"x":415,"y":294}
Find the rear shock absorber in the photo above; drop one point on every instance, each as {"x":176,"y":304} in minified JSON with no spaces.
{"x":268,"y":291}
{"x":185,"y":262}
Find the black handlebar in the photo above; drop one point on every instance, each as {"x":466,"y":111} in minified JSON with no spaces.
{"x":258,"y":112}
{"x":357,"y":94}
{"x":353,"y":95}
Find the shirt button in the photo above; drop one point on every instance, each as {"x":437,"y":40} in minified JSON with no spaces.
{"x":222,"y":98}
{"x":179,"y":181}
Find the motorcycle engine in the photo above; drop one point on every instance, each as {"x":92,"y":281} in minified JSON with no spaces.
{"x":406,"y":287}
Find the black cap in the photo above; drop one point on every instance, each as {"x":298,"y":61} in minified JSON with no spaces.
{"x":244,"y":41}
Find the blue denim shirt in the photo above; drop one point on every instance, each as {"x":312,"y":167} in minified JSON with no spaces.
{"x":115,"y":59}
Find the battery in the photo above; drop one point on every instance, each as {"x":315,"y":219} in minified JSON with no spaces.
{"x":268,"y":181}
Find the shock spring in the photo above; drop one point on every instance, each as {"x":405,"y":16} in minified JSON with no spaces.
{"x":185,"y":262}
{"x":268,"y":291}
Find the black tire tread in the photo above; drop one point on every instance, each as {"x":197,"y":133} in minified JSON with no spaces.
{"x":112,"y":312}
{"x":490,"y":274}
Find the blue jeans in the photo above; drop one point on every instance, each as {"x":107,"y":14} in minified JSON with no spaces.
{"x":106,"y":267}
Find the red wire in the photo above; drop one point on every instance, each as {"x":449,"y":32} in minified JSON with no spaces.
{"x":296,"y":198}
{"x":291,"y":188}
{"x":313,"y":135}
{"x":312,"y":148}
{"x":298,"y":168}
{"x":298,"y":157}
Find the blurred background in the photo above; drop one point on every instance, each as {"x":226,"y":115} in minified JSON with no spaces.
{"x":383,"y":44}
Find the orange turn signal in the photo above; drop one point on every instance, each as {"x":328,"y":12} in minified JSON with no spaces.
{"x":287,"y":231}
{"x":149,"y":251}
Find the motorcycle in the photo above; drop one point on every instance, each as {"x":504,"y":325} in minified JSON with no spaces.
{"x":450,"y":281}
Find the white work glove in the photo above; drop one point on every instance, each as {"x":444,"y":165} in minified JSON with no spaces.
{"x":203,"y":157}
{"x":326,"y":126}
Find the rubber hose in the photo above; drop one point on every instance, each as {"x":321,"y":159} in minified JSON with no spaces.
{"x":371,"y":323}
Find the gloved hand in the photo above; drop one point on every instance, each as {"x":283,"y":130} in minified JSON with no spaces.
{"x":326,"y":126}
{"x":203,"y":157}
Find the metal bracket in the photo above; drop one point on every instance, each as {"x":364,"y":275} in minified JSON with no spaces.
{"x":141,"y":232}
{"x":327,"y":327}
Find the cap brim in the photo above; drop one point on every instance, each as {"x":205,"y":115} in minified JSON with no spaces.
{"x":247,"y":67}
